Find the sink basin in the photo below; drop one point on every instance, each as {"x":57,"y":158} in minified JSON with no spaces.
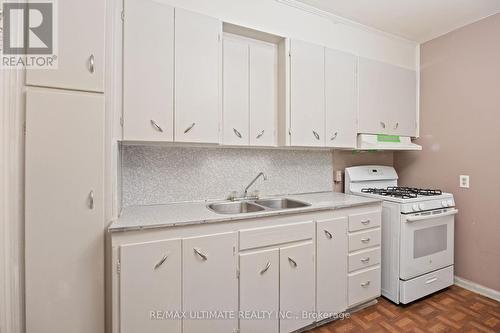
{"x":280,"y":203}
{"x":234,"y":207}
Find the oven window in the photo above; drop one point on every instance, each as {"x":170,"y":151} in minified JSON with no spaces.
{"x":429,"y":241}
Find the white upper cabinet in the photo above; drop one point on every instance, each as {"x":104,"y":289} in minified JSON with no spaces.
{"x":197,"y":77}
{"x":307,"y":94}
{"x":148,"y":76}
{"x":80,"y":48}
{"x":387,"y":99}
{"x":341,"y":99}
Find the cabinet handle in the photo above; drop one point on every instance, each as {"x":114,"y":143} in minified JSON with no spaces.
{"x":396,"y":126}
{"x":382,"y":124}
{"x":91,"y":199}
{"x":432,"y":279}
{"x":156,"y":126}
{"x":265,"y":268}
{"x":365,"y":260}
{"x":238,"y":134}
{"x":365,"y":284}
{"x":260,"y":134}
{"x":189,"y":128}
{"x":316,"y":135}
{"x":293,"y":262}
{"x":365,"y":221}
{"x":91,"y":64}
{"x":161,"y":262}
{"x":198,"y":252}
{"x":334,"y":136}
{"x":328,"y":234}
{"x":365,"y":240}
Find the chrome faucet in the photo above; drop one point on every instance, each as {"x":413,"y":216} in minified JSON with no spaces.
{"x":261,"y":174}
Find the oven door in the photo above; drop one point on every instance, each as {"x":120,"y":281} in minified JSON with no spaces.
{"x":426,"y":242}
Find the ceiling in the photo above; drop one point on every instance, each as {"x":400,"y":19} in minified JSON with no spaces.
{"x":418,"y":20}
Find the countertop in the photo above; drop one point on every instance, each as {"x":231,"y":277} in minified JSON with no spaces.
{"x":196,"y":212}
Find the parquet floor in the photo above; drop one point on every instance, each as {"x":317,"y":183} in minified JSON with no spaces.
{"x":452,"y":310}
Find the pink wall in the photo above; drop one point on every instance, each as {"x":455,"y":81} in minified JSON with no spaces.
{"x":460,"y":134}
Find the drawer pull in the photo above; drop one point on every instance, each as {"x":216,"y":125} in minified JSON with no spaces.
{"x":156,"y":126}
{"x":365,"y":240}
{"x":365,"y":260}
{"x":161,"y":262}
{"x":237,"y":133}
{"x":202,"y":255}
{"x":432,"y":279}
{"x":365,"y":284}
{"x":293,"y":262}
{"x":189,"y":128}
{"x":365,"y":221}
{"x":91,"y":64}
{"x":316,"y":135}
{"x":328,"y":234}
{"x":265,"y":268}
{"x":91,"y":199}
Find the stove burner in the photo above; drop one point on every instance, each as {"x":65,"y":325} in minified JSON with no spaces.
{"x":402,"y":192}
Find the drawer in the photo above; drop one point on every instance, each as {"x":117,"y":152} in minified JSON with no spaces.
{"x":364,"y":286}
{"x":365,"y":220}
{"x":267,"y":236}
{"x":364,"y":259}
{"x":426,"y":284}
{"x":364,"y":239}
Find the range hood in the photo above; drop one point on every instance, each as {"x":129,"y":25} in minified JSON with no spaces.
{"x":385,"y":142}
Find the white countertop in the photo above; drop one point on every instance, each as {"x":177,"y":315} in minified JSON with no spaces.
{"x":196,"y":212}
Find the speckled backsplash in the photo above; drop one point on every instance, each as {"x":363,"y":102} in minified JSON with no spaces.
{"x":157,"y":175}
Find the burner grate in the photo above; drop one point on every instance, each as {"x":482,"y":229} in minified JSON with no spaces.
{"x":402,"y":192}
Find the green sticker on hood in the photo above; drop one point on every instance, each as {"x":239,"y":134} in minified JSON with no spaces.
{"x":387,"y":138}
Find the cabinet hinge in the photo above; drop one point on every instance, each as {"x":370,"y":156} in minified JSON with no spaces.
{"x":219,"y":37}
{"x":118,"y":267}
{"x":121,"y":121}
{"x":237,"y":273}
{"x":122,"y":15}
{"x":24,"y":128}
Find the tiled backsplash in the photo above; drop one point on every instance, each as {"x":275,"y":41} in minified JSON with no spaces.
{"x":157,"y":175}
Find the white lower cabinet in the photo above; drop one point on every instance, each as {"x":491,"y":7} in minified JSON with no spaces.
{"x":150,"y":283}
{"x":331,"y":266}
{"x":209,"y":281}
{"x":259,"y":290}
{"x":296,"y":286}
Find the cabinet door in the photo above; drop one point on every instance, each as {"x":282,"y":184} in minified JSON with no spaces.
{"x":403,"y":117}
{"x":296,"y":285}
{"x":307,"y":94}
{"x":235,"y":94}
{"x":80,"y":48}
{"x":331,"y":266}
{"x":64,"y":211}
{"x":263,"y":94}
{"x":150,"y":281}
{"x":148,"y":71}
{"x":259,"y":290}
{"x":341,"y":99}
{"x":197,"y":77}
{"x":209,"y":281}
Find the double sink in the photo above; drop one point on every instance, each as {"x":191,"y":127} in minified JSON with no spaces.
{"x":242,"y":207}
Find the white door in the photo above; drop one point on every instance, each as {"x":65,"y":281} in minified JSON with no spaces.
{"x":341,"y":99}
{"x":259,"y":290}
{"x":235,"y":92}
{"x":197,"y":77}
{"x":307,"y":94}
{"x":80,"y":34}
{"x":296,"y":286}
{"x":331,"y":266}
{"x":64,"y":235}
{"x":150,"y":285}
{"x":148,"y":71}
{"x":209,"y":282}
{"x":263,"y":94}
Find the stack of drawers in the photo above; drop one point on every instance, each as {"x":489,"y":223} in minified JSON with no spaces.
{"x":364,"y":257}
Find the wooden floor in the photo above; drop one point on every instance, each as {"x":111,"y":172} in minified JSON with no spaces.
{"x":452,"y":310}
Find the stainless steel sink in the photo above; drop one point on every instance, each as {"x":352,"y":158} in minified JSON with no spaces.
{"x":281,"y":203}
{"x":235,"y":207}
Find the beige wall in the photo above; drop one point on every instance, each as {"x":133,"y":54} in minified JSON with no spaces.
{"x":460,"y":134}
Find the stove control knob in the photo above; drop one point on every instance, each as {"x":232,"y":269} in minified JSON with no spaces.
{"x":450,"y":203}
{"x":415,"y":207}
{"x":444,"y":203}
{"x":421,"y":206}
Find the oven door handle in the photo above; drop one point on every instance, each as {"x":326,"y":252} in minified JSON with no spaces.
{"x":426,"y":217}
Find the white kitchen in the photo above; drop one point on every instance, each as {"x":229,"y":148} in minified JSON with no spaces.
{"x":264,"y":166}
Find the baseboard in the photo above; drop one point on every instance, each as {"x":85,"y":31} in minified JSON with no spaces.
{"x":477,"y":288}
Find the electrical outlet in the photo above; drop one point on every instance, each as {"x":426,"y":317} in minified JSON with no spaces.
{"x":464,"y":181}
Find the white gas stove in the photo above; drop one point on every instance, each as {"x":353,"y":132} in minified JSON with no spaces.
{"x":417,"y":232}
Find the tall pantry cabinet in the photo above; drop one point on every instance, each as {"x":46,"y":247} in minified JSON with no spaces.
{"x":64,"y":170}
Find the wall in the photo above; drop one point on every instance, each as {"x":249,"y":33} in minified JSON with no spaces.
{"x":459,"y":127}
